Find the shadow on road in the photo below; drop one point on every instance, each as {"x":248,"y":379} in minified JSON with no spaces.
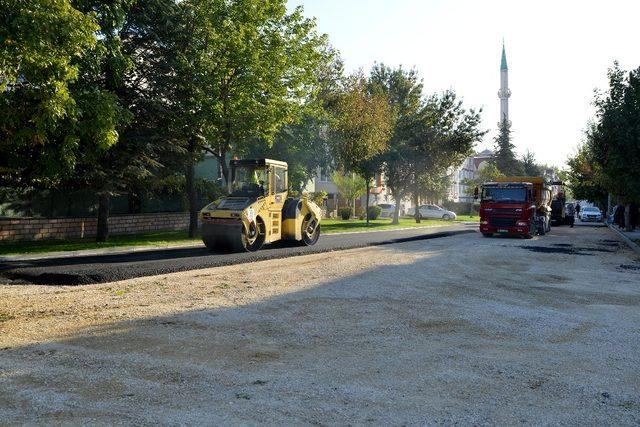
{"x":433,"y":339}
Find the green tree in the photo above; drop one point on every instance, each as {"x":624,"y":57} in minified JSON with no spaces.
{"x":584,"y":177}
{"x":442,"y":136}
{"x":504,"y":155}
{"x":350,"y":186}
{"x":243,"y":69}
{"x":40,"y":44}
{"x":614,"y":138}
{"x":305,"y":143}
{"x":430,"y":134}
{"x":488,"y":173}
{"x":104,"y":89}
{"x":403,"y":90}
{"x":529,"y":166}
{"x":361,"y":130}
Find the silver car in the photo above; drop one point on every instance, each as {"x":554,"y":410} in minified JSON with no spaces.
{"x":432,"y":211}
{"x":590,"y":213}
{"x":387,"y":210}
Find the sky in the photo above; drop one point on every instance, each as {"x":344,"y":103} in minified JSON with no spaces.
{"x":558,"y":52}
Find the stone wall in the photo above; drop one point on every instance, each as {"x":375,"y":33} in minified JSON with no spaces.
{"x":75,"y":228}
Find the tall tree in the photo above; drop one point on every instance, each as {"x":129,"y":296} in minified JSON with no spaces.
{"x":40,"y":44}
{"x":306,"y":143}
{"x":529,"y":166}
{"x":109,"y":78}
{"x":244,"y":68}
{"x":403,"y":89}
{"x":362,"y":128}
{"x":585,"y":176}
{"x":504,"y":155}
{"x":614,"y":140}
{"x":442,"y":136}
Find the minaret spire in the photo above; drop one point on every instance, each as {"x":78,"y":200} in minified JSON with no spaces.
{"x":504,"y":93}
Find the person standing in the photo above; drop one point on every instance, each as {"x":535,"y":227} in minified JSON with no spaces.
{"x":578,"y":210}
{"x":570,"y":214}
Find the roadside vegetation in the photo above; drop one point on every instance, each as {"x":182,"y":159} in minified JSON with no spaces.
{"x":139,"y":101}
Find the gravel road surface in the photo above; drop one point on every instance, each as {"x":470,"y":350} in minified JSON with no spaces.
{"x":460,"y":330}
{"x":85,"y":270}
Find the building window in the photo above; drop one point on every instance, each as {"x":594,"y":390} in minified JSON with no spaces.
{"x":325,"y":174}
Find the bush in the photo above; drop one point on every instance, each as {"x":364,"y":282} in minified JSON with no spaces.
{"x":345,"y":213}
{"x":461,"y":208}
{"x":374,"y":211}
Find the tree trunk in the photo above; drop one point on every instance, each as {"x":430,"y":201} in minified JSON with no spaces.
{"x":222,"y":160}
{"x":102,"y":232}
{"x":366,"y":207}
{"x":192,"y":192}
{"x":627,"y":218}
{"x":396,"y":212}
{"x":416,"y":201}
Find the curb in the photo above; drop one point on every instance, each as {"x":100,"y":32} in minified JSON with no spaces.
{"x":633,"y":245}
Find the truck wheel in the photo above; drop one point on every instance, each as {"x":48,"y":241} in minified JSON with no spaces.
{"x":253,"y":239}
{"x":310,"y":230}
{"x":487,"y":234}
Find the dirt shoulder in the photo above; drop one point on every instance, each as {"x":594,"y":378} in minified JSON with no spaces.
{"x":461,"y":329}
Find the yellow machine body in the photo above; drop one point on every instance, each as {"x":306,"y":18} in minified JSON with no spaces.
{"x":258,"y":210}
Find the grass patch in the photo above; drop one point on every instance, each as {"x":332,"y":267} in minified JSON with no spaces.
{"x":159,"y":238}
{"x":5,"y":317}
{"x":468,"y":218}
{"x":332,"y":226}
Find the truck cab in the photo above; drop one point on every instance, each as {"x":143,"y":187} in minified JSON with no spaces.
{"x":515,"y":206}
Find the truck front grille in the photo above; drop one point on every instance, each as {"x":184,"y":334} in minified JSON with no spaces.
{"x":502,"y":222}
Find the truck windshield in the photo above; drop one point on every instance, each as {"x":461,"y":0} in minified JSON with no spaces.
{"x":504,"y":194}
{"x":249,"y":181}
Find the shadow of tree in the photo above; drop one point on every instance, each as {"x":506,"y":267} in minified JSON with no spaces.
{"x":429,"y":340}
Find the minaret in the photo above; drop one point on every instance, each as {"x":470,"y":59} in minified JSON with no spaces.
{"x":504,"y":93}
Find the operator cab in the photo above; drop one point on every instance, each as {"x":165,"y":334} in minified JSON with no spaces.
{"x":256,"y":178}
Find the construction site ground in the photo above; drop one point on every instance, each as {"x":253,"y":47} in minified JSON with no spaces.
{"x":460,"y":329}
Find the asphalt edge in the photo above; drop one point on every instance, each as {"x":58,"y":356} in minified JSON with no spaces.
{"x":633,"y":245}
{"x":142,"y":249}
{"x":73,"y":279}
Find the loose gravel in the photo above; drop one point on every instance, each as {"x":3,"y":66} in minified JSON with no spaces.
{"x":460,"y":330}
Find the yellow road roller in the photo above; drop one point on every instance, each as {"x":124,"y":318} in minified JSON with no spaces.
{"x":258,"y":210}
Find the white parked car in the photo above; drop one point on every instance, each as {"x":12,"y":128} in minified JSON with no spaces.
{"x":432,"y":211}
{"x":387,"y":210}
{"x":590,"y":213}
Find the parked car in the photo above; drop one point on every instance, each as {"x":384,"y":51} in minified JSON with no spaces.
{"x":590,"y":213}
{"x":432,"y":211}
{"x":387,"y":210}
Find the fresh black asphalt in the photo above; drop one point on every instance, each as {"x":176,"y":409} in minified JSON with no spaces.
{"x":84,"y":270}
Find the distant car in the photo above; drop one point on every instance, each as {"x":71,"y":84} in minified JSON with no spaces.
{"x":432,"y":211}
{"x":387,"y":210}
{"x":590,"y":213}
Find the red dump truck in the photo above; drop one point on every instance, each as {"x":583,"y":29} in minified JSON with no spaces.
{"x":516,"y":206}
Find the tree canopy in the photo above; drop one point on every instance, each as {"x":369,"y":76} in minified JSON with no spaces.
{"x":41,"y":43}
